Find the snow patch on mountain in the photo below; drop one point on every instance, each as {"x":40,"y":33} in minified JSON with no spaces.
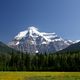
{"x":21,"y":35}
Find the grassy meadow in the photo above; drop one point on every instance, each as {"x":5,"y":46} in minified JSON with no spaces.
{"x":39,"y":75}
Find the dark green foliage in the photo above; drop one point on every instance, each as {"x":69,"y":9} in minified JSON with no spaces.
{"x":12,"y":60}
{"x":40,"y":62}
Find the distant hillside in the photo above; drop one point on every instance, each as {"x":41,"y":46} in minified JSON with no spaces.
{"x":4,"y":49}
{"x":72,"y":48}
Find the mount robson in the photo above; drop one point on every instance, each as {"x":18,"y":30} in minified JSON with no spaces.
{"x":32,"y":50}
{"x":33,"y":41}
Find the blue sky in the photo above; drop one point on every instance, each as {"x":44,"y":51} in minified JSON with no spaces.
{"x":59,"y":16}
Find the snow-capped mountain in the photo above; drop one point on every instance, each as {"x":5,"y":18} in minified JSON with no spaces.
{"x":33,"y":41}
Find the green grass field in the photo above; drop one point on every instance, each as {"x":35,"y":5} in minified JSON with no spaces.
{"x":39,"y":75}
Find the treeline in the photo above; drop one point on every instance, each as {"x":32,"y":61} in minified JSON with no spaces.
{"x":67,"y":61}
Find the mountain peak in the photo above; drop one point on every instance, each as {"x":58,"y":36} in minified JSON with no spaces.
{"x":33,"y":41}
{"x":33,"y":28}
